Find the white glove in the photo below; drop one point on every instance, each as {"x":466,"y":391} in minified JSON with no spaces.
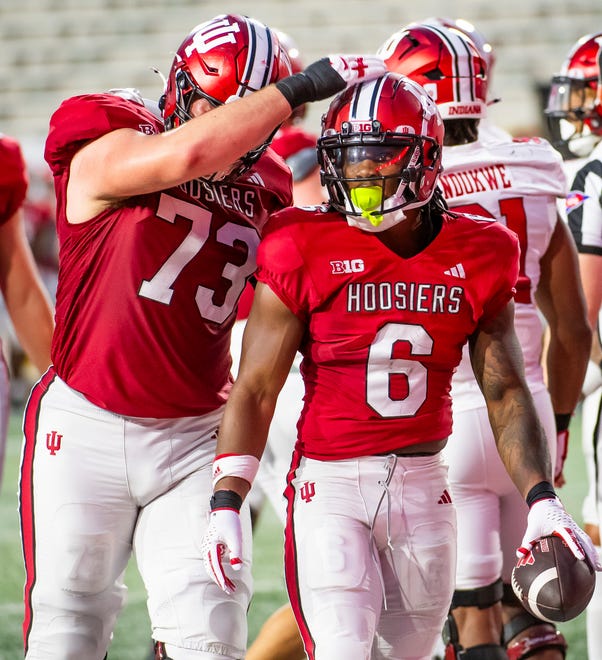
{"x":222,"y":537}
{"x":358,"y":68}
{"x":548,"y":517}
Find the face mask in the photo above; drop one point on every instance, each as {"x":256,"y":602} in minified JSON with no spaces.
{"x":583,"y":143}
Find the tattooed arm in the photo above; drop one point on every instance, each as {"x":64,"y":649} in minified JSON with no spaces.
{"x":498,"y":366}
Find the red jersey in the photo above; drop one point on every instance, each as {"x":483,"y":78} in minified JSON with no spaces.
{"x":147,"y":292}
{"x":384,"y":334}
{"x":13,"y":178}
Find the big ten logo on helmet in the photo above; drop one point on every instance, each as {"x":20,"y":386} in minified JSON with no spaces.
{"x":346,"y":266}
{"x":213,"y":34}
{"x":361,"y":126}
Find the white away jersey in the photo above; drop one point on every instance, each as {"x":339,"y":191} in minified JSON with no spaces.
{"x":516,"y":182}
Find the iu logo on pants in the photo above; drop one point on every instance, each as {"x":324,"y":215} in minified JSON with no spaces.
{"x":308,"y":491}
{"x":53,"y":442}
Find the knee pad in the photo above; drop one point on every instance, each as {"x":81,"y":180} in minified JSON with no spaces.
{"x":539,"y":635}
{"x":481,"y":597}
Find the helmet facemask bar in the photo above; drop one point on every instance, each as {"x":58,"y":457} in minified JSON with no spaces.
{"x":572,"y":114}
{"x":187,"y":93}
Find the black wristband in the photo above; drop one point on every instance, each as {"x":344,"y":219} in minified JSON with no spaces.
{"x":225,"y":499}
{"x":317,"y":82}
{"x":296,"y":89}
{"x":563,"y":421}
{"x":541,"y":491}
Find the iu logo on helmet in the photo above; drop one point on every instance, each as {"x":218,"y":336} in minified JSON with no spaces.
{"x":308,"y":491}
{"x":53,"y":442}
{"x":212,"y":35}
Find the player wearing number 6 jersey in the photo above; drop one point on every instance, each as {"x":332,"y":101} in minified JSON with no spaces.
{"x":379,"y":291}
{"x":158,"y":232}
{"x":518,"y":184}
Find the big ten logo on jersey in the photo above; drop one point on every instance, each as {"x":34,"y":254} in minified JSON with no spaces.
{"x":214,"y":34}
{"x":346,"y":266}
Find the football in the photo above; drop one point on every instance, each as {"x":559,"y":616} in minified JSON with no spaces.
{"x":551,"y":583}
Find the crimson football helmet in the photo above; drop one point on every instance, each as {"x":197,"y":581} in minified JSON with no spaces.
{"x":468,"y":29}
{"x":380,"y":151}
{"x":574,"y":108}
{"x":225,"y":58}
{"x":446,"y":63}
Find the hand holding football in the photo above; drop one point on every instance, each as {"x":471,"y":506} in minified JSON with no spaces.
{"x":551,"y":583}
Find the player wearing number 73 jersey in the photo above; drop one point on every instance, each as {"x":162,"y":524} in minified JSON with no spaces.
{"x":158,"y":229}
{"x":370,"y":290}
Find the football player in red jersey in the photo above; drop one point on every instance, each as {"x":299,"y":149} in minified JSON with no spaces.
{"x":367,"y":288}
{"x":574,"y":112}
{"x":517,"y":183}
{"x":26,"y":299}
{"x":158,"y":231}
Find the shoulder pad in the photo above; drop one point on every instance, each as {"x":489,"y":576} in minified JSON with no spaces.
{"x":84,"y":118}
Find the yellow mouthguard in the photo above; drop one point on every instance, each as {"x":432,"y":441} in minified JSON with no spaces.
{"x":368,"y":199}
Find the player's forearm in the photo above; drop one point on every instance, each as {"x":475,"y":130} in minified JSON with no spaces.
{"x":590,"y":266}
{"x":520,"y":439}
{"x":31,"y":313}
{"x":223,"y":135}
{"x":567,"y":357}
{"x":34,"y":330}
{"x":243,"y":431}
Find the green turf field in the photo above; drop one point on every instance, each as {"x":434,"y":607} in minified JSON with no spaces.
{"x":132,"y":635}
